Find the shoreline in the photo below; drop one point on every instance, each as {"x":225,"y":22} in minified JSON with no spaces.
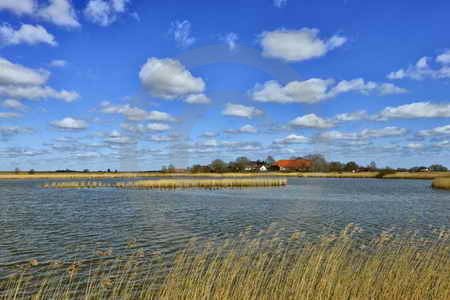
{"x":81,"y":175}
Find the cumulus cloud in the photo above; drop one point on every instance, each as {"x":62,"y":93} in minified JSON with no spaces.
{"x":209,"y":134}
{"x":7,"y":132}
{"x":26,"y":34}
{"x":238,"y":110}
{"x":293,"y":139}
{"x":169,"y":79}
{"x":280,"y":3}
{"x":16,"y":74}
{"x":58,"y":63}
{"x":311,"y":121}
{"x":444,"y":58}
{"x":423,"y":69}
{"x":365,"y":134}
{"x":10,"y":115}
{"x":297,"y":45}
{"x":353,"y":116}
{"x":14,"y":104}
{"x":103,"y":12}
{"x":230,"y":39}
{"x":181,"y":31}
{"x":164,"y":138}
{"x":18,"y":7}
{"x":59,"y":12}
{"x":244,"y":129}
{"x":120,"y":140}
{"x":37,"y":93}
{"x":415,"y":110}
{"x":197,"y":99}
{"x":144,"y":128}
{"x":135,"y":113}
{"x":70,"y":123}
{"x":315,"y":90}
{"x":443,"y":130}
{"x":19,"y":82}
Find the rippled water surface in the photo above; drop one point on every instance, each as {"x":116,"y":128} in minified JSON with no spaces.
{"x":48,"y":224}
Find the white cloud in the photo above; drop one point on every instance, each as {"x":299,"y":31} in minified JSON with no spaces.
{"x":197,"y":99}
{"x":121,"y":140}
{"x":135,"y":114}
{"x":415,"y":110}
{"x":315,"y":90}
{"x":14,"y":104}
{"x":7,"y":132}
{"x":293,"y":139}
{"x":209,"y":134}
{"x":297,"y":45}
{"x":144,"y":128}
{"x":244,"y":129}
{"x":238,"y":110}
{"x":58,"y":63}
{"x":443,"y":130}
{"x":311,"y":121}
{"x":390,"y":89}
{"x":11,"y":73}
{"x":422,"y":69}
{"x":444,"y":58}
{"x":70,"y":123}
{"x":181,"y":31}
{"x":280,"y":3}
{"x":59,"y":12}
{"x":415,"y":146}
{"x":18,"y":7}
{"x":10,"y":115}
{"x":37,"y":92}
{"x":19,"y":82}
{"x":169,"y":79}
{"x":26,"y":34}
{"x":354,"y":116}
{"x":103,"y":12}
{"x":230,"y":39}
{"x":164,"y":138}
{"x":365,"y":134}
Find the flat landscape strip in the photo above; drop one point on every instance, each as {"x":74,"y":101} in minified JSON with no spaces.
{"x":175,"y":184}
{"x":397,"y":175}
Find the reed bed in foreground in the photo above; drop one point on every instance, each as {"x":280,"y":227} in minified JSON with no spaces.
{"x":339,"y":266}
{"x":175,"y":183}
{"x":441,"y":183}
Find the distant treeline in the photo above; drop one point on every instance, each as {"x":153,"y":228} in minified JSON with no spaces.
{"x":319,"y":164}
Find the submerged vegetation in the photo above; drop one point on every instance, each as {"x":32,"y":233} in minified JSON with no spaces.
{"x":264,"y":265}
{"x":441,"y":183}
{"x":176,"y":183}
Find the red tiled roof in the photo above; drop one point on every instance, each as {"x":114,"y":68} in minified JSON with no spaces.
{"x":293,"y":164}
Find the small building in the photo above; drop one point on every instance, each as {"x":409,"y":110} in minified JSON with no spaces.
{"x":292,"y":164}
{"x":263,"y":168}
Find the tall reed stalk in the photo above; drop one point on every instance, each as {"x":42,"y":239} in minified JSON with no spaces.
{"x":339,"y":266}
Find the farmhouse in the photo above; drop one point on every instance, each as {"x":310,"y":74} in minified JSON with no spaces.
{"x":292,"y":164}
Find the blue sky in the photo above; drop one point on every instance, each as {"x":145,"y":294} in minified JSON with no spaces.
{"x":134,"y":85}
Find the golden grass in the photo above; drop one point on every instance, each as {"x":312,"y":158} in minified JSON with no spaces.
{"x":441,"y":183}
{"x":176,"y":183}
{"x":339,"y":266}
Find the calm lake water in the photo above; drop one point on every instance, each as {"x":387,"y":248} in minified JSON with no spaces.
{"x":48,"y":224}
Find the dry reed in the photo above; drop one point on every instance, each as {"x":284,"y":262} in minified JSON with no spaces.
{"x":175,"y":183}
{"x":339,"y":266}
{"x":441,"y":183}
